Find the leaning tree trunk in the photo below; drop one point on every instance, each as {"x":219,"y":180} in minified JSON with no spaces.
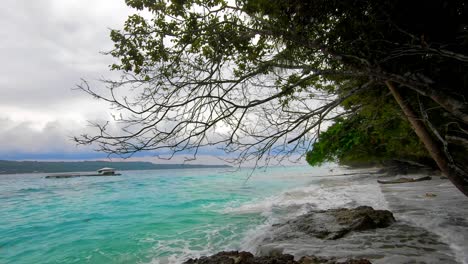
{"x":431,"y":145}
{"x":456,"y":107}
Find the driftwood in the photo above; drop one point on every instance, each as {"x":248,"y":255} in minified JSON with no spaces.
{"x":404,"y":180}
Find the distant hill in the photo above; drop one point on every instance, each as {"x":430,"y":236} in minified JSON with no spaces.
{"x":13,"y":167}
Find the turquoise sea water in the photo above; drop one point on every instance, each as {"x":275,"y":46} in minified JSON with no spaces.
{"x":159,"y":216}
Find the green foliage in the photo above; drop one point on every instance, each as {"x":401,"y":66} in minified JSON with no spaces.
{"x":375,"y":133}
{"x":388,"y":37}
{"x":219,"y":56}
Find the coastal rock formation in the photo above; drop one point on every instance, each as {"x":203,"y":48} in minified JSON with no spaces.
{"x":324,"y":260}
{"x":320,"y":224}
{"x":336,"y":223}
{"x":235,"y":257}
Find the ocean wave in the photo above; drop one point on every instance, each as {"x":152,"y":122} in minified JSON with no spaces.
{"x":316,"y":196}
{"x":322,"y":195}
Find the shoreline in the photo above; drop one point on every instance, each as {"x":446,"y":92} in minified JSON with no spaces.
{"x":435,"y":205}
{"x":167,"y":218}
{"x":431,"y":225}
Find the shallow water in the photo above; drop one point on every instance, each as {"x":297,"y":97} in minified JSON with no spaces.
{"x":167,"y":216}
{"x":139,"y":217}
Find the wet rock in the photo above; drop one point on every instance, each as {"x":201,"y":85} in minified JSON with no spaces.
{"x":324,"y":260}
{"x":236,"y":257}
{"x":336,"y":223}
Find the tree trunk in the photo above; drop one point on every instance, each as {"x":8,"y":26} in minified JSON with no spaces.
{"x":455,"y":107}
{"x":431,"y":145}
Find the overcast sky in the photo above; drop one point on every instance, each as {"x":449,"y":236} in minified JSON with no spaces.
{"x":46,"y":47}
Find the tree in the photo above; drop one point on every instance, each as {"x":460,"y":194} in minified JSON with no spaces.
{"x":375,"y":134}
{"x":260,"y":79}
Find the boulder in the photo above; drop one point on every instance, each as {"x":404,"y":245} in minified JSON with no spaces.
{"x":336,"y":223}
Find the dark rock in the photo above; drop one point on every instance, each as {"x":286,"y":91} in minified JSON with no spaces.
{"x":236,"y":257}
{"x":378,"y":218}
{"x":324,"y":260}
{"x":336,"y":223}
{"x":231,"y":257}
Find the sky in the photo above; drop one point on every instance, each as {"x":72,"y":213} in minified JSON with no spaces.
{"x":47,"y":47}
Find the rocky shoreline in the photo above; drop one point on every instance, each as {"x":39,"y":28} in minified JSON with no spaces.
{"x":333,"y":224}
{"x":236,"y":257}
{"x":329,"y":224}
{"x":361,"y":234}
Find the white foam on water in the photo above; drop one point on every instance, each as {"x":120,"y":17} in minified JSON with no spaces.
{"x":454,"y":236}
{"x":295,"y":197}
{"x":326,"y":194}
{"x":184,"y":252}
{"x":319,"y":196}
{"x":445,"y":214}
{"x":352,"y":191}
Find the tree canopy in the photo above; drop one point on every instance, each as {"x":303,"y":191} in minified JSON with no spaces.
{"x":262,"y":78}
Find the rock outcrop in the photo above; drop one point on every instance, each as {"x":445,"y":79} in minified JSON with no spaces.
{"x":324,"y":260}
{"x":336,"y":223}
{"x":236,"y":257}
{"x":322,"y":224}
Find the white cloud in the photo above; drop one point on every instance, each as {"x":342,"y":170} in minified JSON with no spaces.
{"x":46,"y":47}
{"x":25,"y":137}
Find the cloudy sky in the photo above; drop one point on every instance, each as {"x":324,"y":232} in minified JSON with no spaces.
{"x":46,"y":47}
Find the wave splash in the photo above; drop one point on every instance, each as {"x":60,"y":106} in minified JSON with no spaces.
{"x":413,"y":238}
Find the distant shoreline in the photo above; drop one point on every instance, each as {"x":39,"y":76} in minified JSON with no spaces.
{"x":28,"y":167}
